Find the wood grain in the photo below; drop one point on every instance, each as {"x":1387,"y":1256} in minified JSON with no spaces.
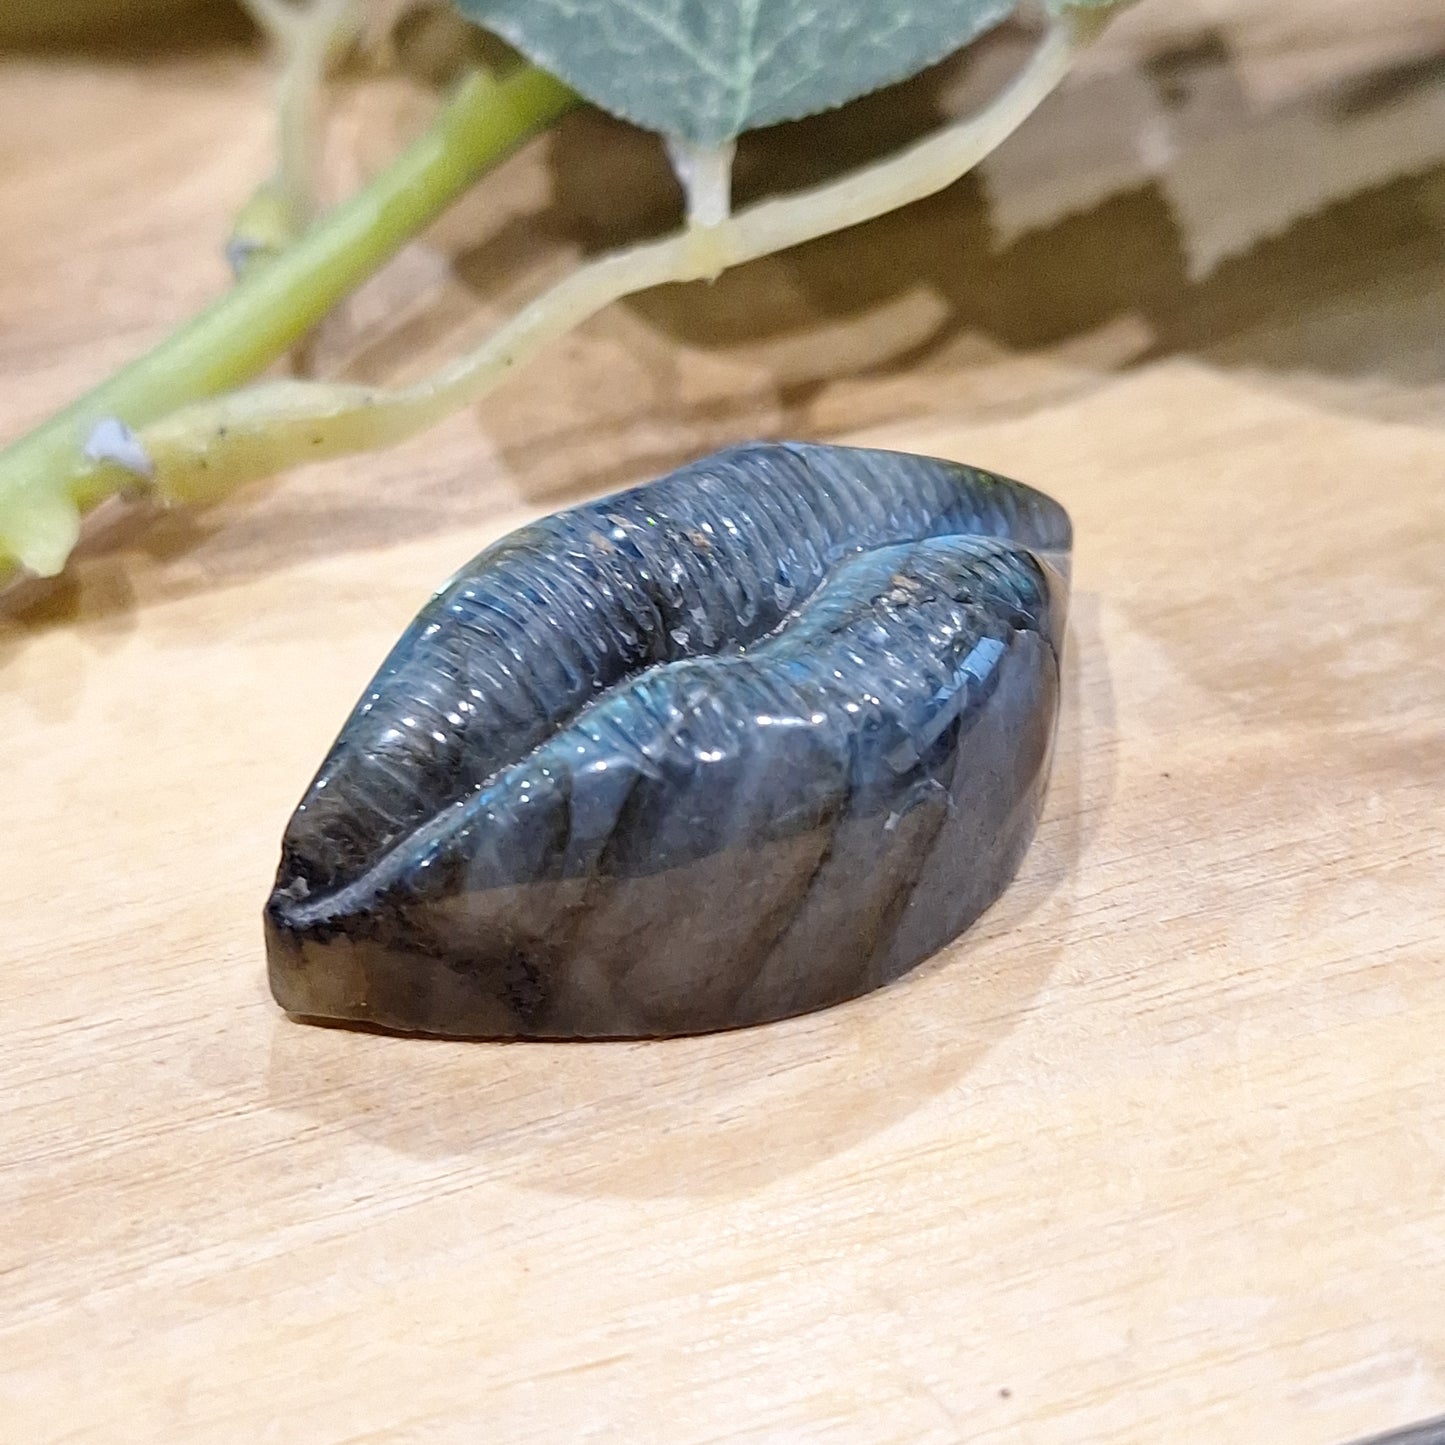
{"x":1156,"y":1152}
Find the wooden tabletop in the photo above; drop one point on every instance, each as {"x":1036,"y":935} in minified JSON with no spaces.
{"x":1156,"y":1152}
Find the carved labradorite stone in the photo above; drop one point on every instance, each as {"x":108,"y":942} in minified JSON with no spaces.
{"x":743,"y":742}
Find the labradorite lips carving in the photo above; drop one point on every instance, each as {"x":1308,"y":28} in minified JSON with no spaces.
{"x":744,"y":742}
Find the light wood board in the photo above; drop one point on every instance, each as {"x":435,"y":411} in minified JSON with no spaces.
{"x":1155,"y":1153}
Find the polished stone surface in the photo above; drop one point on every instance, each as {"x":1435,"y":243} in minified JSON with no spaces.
{"x":743,"y":742}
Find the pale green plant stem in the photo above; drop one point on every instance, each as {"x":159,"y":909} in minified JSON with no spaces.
{"x":276,"y":17}
{"x":192,"y":449}
{"x":207,"y":450}
{"x":306,"y":39}
{"x":45,"y":478}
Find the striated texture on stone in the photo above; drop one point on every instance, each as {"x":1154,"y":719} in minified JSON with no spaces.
{"x":743,"y":742}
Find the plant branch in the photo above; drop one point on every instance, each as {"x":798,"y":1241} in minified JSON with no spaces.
{"x":204,"y":451}
{"x":46,"y":478}
{"x":275,"y":17}
{"x":285,"y":204}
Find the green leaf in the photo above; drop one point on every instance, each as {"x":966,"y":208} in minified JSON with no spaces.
{"x":704,"y":70}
